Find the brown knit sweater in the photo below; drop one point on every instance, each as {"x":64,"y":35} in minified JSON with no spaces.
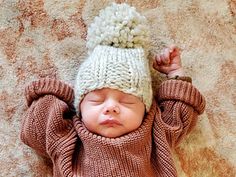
{"x":50,"y":127}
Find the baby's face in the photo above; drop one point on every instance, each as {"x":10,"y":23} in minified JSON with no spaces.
{"x":111,"y":113}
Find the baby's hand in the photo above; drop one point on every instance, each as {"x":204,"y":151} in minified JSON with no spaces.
{"x":169,"y":62}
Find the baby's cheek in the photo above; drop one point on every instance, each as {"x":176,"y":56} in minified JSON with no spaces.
{"x":89,"y":123}
{"x":89,"y":116}
{"x":134,"y":122}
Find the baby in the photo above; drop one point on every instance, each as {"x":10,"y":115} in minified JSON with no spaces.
{"x":113,"y":113}
{"x":110,"y":124}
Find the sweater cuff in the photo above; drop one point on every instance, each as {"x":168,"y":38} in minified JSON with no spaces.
{"x":182,"y":91}
{"x":48,"y":86}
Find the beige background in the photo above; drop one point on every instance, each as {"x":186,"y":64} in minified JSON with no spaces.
{"x":40,"y":38}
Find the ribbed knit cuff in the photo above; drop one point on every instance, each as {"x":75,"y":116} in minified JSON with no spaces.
{"x":182,"y":91}
{"x":48,"y":86}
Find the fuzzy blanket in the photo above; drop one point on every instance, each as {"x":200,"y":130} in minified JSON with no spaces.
{"x":46,"y":38}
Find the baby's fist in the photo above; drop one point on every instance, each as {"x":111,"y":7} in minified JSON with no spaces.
{"x":169,"y":62}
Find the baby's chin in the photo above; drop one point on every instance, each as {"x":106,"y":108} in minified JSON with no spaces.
{"x":112,"y":134}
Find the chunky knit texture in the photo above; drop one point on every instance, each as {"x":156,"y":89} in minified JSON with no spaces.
{"x":124,"y":69}
{"x":51,"y":129}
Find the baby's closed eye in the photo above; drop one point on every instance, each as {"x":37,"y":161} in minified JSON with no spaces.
{"x":95,"y":101}
{"x":128,"y":101}
{"x":95,"y":98}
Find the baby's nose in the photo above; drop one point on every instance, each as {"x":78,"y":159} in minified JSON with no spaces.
{"x":111,"y":109}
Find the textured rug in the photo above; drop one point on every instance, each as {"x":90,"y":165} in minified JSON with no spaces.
{"x":46,"y":38}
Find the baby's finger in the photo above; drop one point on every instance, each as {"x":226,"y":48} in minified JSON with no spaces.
{"x":158,"y":59}
{"x":174,"y":51}
{"x":172,"y":47}
{"x":155,"y":62}
{"x":166,"y":56}
{"x":161,"y":68}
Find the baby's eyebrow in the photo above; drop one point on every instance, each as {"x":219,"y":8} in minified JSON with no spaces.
{"x":128,"y":95}
{"x":98,"y":91}
{"x":96,"y":94}
{"x":129,"y":98}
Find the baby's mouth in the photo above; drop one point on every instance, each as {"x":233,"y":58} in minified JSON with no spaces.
{"x":110,"y":121}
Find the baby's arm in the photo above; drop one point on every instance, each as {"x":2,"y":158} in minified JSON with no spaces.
{"x":179,"y":100}
{"x":46,"y":120}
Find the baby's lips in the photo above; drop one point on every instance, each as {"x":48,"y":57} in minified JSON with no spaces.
{"x":110,"y":121}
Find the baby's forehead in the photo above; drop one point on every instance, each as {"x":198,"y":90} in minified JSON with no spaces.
{"x":107,"y":91}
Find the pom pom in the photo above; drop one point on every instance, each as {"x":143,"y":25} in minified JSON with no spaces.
{"x":118,"y":25}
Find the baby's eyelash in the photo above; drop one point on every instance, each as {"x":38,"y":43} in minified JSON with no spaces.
{"x":127,"y":102}
{"x":96,"y":100}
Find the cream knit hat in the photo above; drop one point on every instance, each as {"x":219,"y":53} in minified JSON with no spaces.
{"x":117,"y":58}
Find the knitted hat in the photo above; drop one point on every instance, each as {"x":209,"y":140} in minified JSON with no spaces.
{"x":117,"y":58}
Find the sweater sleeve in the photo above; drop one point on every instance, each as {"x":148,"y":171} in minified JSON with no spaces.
{"x":180,"y":103}
{"x":48,"y":116}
